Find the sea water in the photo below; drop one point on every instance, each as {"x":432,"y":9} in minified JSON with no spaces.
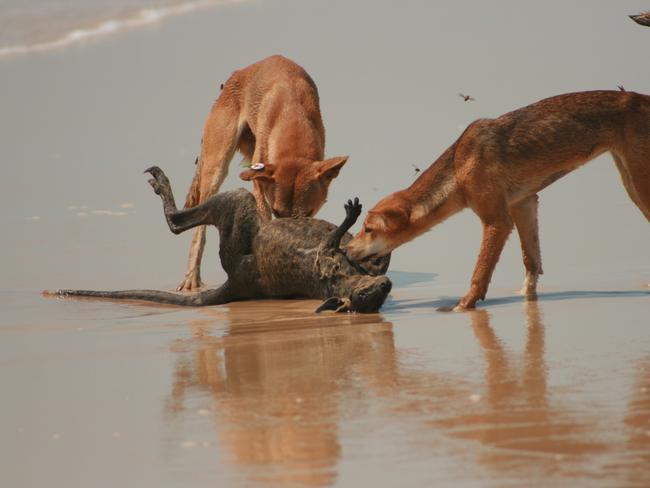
{"x":41,"y":25}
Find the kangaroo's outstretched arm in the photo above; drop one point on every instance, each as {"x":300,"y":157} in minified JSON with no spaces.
{"x":352,"y":212}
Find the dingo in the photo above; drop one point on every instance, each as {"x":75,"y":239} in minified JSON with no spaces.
{"x":270,"y":112}
{"x":497,"y":167}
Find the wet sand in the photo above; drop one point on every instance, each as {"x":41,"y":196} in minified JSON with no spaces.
{"x":99,"y":393}
{"x":552,"y":393}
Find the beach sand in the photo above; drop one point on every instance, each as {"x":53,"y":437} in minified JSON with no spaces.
{"x":99,"y":393}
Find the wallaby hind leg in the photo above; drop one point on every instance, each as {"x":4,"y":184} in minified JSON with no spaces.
{"x":178,"y":220}
{"x":635,"y":172}
{"x":524,"y":215}
{"x":233,"y":213}
{"x":223,"y":210}
{"x":221,"y":136}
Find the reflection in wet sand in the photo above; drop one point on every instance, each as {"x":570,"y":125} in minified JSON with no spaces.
{"x":275,"y":382}
{"x":518,"y":418}
{"x":637,"y":421}
{"x":281,"y":381}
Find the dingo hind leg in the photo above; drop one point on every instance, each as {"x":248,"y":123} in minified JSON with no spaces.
{"x":220,"y":140}
{"x":524,"y":215}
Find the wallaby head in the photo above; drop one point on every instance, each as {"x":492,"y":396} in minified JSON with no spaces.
{"x":296,"y":190}
{"x":359,"y":293}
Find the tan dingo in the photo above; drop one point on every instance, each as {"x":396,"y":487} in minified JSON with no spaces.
{"x":497,"y":167}
{"x":270,"y":112}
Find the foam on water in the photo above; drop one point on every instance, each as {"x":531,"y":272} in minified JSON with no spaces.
{"x":66,"y":36}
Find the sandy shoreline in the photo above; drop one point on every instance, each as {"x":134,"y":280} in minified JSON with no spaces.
{"x":98,"y":393}
{"x":266,"y":391}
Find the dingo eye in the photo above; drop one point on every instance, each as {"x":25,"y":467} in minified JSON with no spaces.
{"x":368,"y":230}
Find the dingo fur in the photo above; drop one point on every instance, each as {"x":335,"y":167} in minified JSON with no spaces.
{"x":270,"y":112}
{"x":497,"y":167}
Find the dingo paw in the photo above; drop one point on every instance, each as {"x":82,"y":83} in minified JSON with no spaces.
{"x":191,"y":282}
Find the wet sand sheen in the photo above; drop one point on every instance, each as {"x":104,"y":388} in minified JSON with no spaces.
{"x":278,"y":397}
{"x":268,"y":392}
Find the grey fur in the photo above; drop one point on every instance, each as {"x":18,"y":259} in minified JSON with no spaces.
{"x":281,"y":258}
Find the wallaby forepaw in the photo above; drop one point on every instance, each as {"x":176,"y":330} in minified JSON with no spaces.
{"x":353,"y":208}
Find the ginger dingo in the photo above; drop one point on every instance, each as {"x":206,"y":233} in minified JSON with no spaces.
{"x":270,"y":112}
{"x":497,"y":167}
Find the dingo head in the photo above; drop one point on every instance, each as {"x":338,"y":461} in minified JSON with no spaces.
{"x":385,"y":228}
{"x":293,"y":190}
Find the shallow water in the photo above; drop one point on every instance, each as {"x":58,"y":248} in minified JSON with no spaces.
{"x":268,"y":392}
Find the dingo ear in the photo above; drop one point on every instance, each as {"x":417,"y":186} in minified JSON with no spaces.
{"x":394,"y":218}
{"x":329,"y":169}
{"x":263,"y":174}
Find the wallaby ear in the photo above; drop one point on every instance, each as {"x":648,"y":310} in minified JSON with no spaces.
{"x":329,"y":169}
{"x":265,"y":173}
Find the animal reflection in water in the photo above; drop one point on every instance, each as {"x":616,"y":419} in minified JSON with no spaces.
{"x":517,"y":415}
{"x":275,"y":384}
{"x":637,"y":421}
{"x":280,"y":389}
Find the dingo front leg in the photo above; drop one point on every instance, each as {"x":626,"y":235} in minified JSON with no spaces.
{"x":263,"y":208}
{"x":220,"y":138}
{"x":495,"y":235}
{"x":192,"y":279}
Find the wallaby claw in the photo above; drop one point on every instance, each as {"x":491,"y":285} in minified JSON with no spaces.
{"x":159,"y":180}
{"x":353,"y":208}
{"x":155,"y":185}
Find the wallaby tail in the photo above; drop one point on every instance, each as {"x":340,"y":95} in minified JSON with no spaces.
{"x":147,"y":295}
